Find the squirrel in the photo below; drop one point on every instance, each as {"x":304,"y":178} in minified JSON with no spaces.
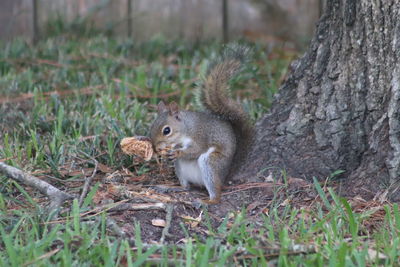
{"x":207,"y":146}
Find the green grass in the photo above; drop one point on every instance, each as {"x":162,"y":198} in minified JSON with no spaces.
{"x":110,"y":89}
{"x":325,"y":238}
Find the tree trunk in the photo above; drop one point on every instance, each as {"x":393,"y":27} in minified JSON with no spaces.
{"x":339,"y":108}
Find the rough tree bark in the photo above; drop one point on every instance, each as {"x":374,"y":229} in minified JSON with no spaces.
{"x":339,"y":108}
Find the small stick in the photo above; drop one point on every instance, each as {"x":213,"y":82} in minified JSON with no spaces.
{"x":88,"y":181}
{"x":56,"y":196}
{"x":121,"y":206}
{"x":277,"y":252}
{"x":139,"y":206}
{"x":44,"y":256}
{"x":168,"y":219}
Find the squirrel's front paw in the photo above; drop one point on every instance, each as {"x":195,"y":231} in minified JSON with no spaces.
{"x":173,"y":154}
{"x":170,"y":153}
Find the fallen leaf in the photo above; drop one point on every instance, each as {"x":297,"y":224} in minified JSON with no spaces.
{"x":266,"y":211}
{"x":374,"y":254}
{"x":193,"y":222}
{"x":285,"y":202}
{"x":252,"y":206}
{"x":269,"y":178}
{"x":104,"y":168}
{"x":158,"y":222}
{"x":297,"y":182}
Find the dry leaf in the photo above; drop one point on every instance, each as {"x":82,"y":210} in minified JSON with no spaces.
{"x":266,"y":211}
{"x":285,"y":202}
{"x":193,"y":222}
{"x":373,"y":255}
{"x":158,"y":222}
{"x":269,"y":178}
{"x":253,"y":206}
{"x":100,"y":196}
{"x":104,"y":168}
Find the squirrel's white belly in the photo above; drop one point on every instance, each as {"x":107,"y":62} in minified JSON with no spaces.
{"x":189,"y":171}
{"x":196,"y":171}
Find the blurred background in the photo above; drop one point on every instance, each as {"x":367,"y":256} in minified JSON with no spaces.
{"x":288,"y":22}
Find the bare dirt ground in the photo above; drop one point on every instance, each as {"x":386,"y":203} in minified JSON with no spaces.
{"x":172,"y":216}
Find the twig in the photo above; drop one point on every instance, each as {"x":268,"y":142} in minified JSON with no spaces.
{"x":243,"y":187}
{"x":113,"y":226}
{"x":88,"y":181}
{"x":49,"y":62}
{"x":168,"y":219}
{"x":61,"y":93}
{"x":64,"y":181}
{"x":157,"y":197}
{"x":56,"y":196}
{"x":273,"y":253}
{"x":5,"y":159}
{"x":139,"y":206}
{"x":44,"y":256}
{"x":163,"y":96}
{"x":89,"y":214}
{"x":162,"y":261}
{"x":120,"y":206}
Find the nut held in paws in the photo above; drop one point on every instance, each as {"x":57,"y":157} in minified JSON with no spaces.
{"x":138,"y":145}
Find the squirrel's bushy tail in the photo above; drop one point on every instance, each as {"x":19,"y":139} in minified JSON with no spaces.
{"x":216,"y":98}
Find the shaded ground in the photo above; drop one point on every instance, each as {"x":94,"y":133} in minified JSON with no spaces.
{"x":129,"y":199}
{"x":121,"y":190}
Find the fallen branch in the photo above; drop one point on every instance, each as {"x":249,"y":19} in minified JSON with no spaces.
{"x":56,"y":196}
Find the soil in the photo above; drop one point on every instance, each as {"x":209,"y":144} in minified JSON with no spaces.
{"x":119,"y":190}
{"x":158,"y":185}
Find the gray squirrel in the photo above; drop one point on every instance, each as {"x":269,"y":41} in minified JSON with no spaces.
{"x":207,"y":146}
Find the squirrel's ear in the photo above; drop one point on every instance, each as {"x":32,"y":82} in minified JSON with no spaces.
{"x":174,"y":110}
{"x":161,"y":107}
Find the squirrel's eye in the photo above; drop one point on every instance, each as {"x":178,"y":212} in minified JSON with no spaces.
{"x":166,"y":130}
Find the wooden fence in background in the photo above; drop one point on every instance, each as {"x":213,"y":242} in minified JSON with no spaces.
{"x":190,"y":19}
